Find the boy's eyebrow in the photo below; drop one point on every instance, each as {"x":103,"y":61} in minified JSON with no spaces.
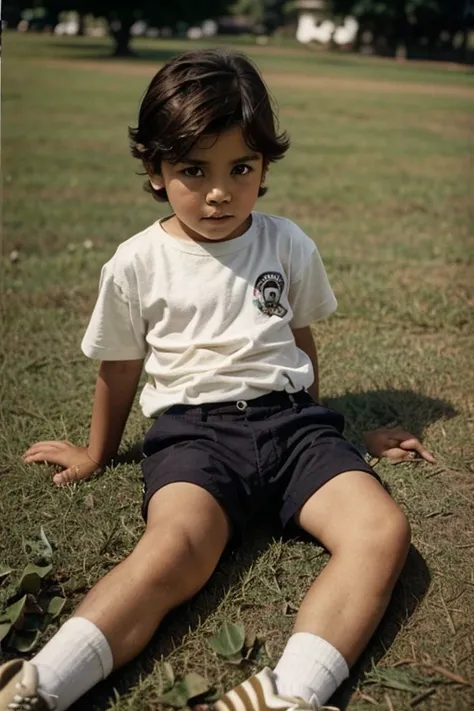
{"x":246,"y":159}
{"x":242,"y":159}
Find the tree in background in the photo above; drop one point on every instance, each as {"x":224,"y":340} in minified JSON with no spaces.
{"x":431,"y":23}
{"x":122,"y":14}
{"x":270,"y":13}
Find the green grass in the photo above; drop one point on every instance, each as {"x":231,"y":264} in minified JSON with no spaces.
{"x":379,"y":173}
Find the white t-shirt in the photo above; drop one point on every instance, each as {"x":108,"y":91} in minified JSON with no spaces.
{"x":212,"y":320}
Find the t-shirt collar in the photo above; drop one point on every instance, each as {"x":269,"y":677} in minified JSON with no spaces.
{"x":210,"y":248}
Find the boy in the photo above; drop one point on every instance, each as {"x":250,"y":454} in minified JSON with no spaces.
{"x":216,"y":302}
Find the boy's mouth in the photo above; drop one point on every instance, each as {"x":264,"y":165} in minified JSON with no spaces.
{"x":217,"y":217}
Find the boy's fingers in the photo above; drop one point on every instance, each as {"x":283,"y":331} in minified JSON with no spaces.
{"x":415,"y":445}
{"x":53,"y":442}
{"x":397,"y":455}
{"x":38,"y":446}
{"x":70,"y":475}
{"x":45,"y":455}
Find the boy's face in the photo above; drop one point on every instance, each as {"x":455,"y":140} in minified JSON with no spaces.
{"x":213,"y":189}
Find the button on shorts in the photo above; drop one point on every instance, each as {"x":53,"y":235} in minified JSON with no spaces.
{"x":276,"y":450}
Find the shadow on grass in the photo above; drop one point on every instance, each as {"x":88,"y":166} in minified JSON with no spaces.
{"x":378,"y":408}
{"x":415,"y":412}
{"x":82,"y":48}
{"x":94,"y":51}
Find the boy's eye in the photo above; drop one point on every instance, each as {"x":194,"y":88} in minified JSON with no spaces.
{"x":193,"y":172}
{"x":241,"y":169}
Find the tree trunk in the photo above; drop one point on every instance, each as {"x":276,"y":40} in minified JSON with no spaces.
{"x":52,"y":20}
{"x":121,"y":35}
{"x":81,"y":24}
{"x":465,"y":46}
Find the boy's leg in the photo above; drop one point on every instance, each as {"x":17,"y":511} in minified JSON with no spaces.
{"x":368,"y":537}
{"x":186,"y":532}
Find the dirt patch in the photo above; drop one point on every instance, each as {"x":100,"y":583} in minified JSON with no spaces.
{"x":305,"y":81}
{"x":437,"y":276}
{"x":311,"y":49}
{"x":291,"y":80}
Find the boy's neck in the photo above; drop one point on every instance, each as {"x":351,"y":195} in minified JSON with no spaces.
{"x":173,"y":226}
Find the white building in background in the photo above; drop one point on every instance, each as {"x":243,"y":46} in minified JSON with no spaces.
{"x":314,"y":25}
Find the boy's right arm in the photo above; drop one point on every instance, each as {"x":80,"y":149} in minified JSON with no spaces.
{"x":115,"y":390}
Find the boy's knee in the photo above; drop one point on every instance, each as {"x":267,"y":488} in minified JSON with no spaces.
{"x":171,"y":560}
{"x":396,"y":532}
{"x":386,"y":538}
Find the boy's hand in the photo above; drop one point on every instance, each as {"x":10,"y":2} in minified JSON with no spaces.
{"x":396,"y":445}
{"x":75,"y":460}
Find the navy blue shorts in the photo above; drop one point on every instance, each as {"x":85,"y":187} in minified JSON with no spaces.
{"x":275,"y":450}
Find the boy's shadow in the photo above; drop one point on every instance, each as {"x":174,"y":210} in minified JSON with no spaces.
{"x":378,"y":408}
{"x":414,"y":412}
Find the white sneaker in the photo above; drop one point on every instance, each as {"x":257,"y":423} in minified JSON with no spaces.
{"x":259,"y":693}
{"x":19,"y":687}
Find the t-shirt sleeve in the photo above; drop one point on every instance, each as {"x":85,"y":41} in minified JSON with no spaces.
{"x":116,"y":330}
{"x":310,"y":294}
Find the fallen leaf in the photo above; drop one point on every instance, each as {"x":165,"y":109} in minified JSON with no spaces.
{"x":176,"y":697}
{"x":32,"y":607}
{"x":47,"y":551}
{"x":168,"y":674}
{"x":250,"y":639}
{"x":32,"y":576}
{"x":289,"y":610}
{"x":196,"y":685}
{"x":89,"y":501}
{"x":4,"y":571}
{"x":24,"y":641}
{"x":229,"y":639}
{"x":55,"y":607}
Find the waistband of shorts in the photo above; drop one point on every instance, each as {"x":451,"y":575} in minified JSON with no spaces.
{"x":275,"y":398}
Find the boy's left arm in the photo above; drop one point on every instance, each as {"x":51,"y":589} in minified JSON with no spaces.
{"x":393,"y":443}
{"x":304,"y":341}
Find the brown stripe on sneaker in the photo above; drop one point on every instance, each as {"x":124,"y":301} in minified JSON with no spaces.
{"x":244,"y":697}
{"x":256,"y":685}
{"x":228,"y":703}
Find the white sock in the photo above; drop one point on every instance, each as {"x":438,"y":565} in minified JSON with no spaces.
{"x":311,"y":668}
{"x":72,"y":662}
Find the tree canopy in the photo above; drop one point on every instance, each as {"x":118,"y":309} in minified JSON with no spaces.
{"x":122,"y":14}
{"x":433,"y":24}
{"x":271,"y":13}
{"x":409,"y":22}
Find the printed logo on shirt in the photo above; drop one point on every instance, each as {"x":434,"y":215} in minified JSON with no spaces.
{"x":267,"y":293}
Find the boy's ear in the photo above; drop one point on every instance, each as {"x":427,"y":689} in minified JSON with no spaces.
{"x":156,"y":180}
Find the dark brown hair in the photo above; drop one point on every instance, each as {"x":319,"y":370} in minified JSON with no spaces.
{"x":200,"y":93}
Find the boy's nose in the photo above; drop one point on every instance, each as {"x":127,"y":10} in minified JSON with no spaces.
{"x":218,"y":196}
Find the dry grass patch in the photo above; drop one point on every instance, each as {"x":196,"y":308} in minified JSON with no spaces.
{"x":280,"y":79}
{"x":339,"y":84}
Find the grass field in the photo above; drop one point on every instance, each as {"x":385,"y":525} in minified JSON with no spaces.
{"x":380,"y":174}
